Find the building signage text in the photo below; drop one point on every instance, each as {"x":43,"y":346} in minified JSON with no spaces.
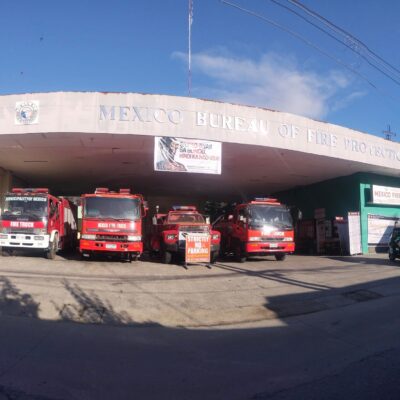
{"x":385,"y":195}
{"x":268,"y":129}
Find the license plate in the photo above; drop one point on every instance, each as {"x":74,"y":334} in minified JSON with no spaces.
{"x":111,"y":246}
{"x":273,"y":245}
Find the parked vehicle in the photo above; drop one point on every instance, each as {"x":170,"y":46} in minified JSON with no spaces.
{"x":112,"y":223}
{"x":257,"y":228}
{"x":34,"y":219}
{"x":394,"y":244}
{"x":169,"y":232}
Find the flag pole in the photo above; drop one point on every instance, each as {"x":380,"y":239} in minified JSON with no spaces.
{"x":190,"y":47}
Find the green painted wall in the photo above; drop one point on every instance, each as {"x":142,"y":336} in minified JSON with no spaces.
{"x":366,"y":182}
{"x":338,"y":196}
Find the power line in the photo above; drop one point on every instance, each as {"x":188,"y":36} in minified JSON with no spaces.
{"x":348,"y":35}
{"x":338,"y":40}
{"x":315,"y":47}
{"x":303,"y":39}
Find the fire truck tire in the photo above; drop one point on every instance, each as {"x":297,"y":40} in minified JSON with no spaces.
{"x":52,"y":250}
{"x":392,"y":257}
{"x":280,"y":256}
{"x":133,"y":257}
{"x":6,"y":252}
{"x":166,"y":257}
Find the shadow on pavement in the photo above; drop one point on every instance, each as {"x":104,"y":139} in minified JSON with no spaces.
{"x":273,"y":275}
{"x":105,"y":356}
{"x":13,"y":302}
{"x":365,"y":260}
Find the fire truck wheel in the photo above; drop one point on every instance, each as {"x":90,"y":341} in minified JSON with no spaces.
{"x":392,"y":257}
{"x":280,"y":256}
{"x":52,"y":250}
{"x":133,"y":257}
{"x":166,"y":257}
{"x":6,"y":252}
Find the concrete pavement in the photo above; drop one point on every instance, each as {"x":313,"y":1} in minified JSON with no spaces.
{"x":230,"y":293}
{"x":120,"y":352}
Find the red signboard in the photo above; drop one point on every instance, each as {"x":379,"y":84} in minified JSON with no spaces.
{"x":198,"y":248}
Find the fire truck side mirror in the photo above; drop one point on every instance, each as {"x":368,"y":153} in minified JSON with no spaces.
{"x":208,"y":220}
{"x":154,"y":220}
{"x":299,"y":215}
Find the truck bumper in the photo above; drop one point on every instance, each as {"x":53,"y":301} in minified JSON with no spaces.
{"x":28,"y":241}
{"x":268,"y":247}
{"x":113,"y":247}
{"x":173,"y":248}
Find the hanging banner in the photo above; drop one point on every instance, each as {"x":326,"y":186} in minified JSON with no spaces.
{"x":380,"y":229}
{"x":187,"y":155}
{"x":198,"y":248}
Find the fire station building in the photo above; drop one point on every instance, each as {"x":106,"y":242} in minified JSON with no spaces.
{"x":346,"y":183}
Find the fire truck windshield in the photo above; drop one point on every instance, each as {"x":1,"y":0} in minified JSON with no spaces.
{"x":112,"y":208}
{"x":260,"y":215}
{"x":24,"y":208}
{"x":179,"y":217}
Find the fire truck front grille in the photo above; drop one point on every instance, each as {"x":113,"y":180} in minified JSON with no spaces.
{"x":274,"y":239}
{"x":23,"y":232}
{"x":194,"y":228}
{"x":112,"y":238}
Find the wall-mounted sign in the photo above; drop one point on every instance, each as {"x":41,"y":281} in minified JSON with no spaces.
{"x":385,"y":195}
{"x":187,"y":155}
{"x":26,"y":112}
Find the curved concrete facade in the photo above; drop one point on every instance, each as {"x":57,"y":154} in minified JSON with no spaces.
{"x":289,"y":149}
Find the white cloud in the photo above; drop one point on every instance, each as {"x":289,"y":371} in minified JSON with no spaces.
{"x":273,"y":81}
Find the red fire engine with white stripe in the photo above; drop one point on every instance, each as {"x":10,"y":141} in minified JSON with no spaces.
{"x":257,"y":228}
{"x":34,"y":219}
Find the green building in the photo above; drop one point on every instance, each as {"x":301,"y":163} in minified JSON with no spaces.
{"x":332,"y":200}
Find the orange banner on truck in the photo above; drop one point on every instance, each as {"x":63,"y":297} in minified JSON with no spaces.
{"x":198,"y":248}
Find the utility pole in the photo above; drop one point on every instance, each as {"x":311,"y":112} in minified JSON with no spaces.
{"x":388,"y":133}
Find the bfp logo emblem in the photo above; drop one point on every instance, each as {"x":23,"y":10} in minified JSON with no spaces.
{"x":26,"y":112}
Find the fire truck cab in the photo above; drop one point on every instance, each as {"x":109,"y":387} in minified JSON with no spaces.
{"x":257,"y":228}
{"x":112,"y":223}
{"x":168,"y":236}
{"x":34,"y":219}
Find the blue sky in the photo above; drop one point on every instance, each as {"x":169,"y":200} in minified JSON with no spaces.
{"x":141,"y":46}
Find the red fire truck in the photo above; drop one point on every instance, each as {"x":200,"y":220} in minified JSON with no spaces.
{"x":169,"y":232}
{"x":112,"y":223}
{"x":257,"y":228}
{"x":34,"y":219}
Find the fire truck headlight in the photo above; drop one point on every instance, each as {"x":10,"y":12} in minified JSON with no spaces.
{"x":89,"y":237}
{"x":171,"y":236}
{"x":255,"y":239}
{"x":134,"y":238}
{"x":3,"y":236}
{"x":215,"y":236}
{"x":288,"y":239}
